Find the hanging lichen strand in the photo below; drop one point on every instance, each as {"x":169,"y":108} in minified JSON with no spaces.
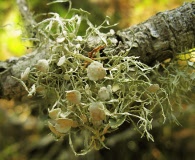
{"x":91,"y":93}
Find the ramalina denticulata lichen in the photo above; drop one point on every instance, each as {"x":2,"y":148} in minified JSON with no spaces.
{"x":91,"y":93}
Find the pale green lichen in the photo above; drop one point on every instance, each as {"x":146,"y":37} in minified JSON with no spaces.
{"x":94,"y":101}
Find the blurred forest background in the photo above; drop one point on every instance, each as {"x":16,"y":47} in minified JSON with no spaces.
{"x":23,"y":131}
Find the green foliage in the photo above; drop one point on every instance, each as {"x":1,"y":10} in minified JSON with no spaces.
{"x":92,"y":93}
{"x":11,"y":31}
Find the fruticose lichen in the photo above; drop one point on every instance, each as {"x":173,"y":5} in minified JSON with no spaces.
{"x":92,"y":93}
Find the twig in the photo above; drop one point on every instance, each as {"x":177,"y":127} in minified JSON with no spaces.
{"x":25,"y":12}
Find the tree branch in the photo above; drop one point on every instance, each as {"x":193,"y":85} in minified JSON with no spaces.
{"x":25,"y":13}
{"x":158,"y":38}
{"x":161,"y":36}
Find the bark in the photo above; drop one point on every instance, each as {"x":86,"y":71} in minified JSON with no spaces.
{"x":161,"y":36}
{"x":158,"y":38}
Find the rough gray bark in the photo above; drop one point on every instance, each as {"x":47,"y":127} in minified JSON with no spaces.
{"x":156,"y":39}
{"x":161,"y":36}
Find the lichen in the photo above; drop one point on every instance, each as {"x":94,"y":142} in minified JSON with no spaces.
{"x":89,"y":91}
